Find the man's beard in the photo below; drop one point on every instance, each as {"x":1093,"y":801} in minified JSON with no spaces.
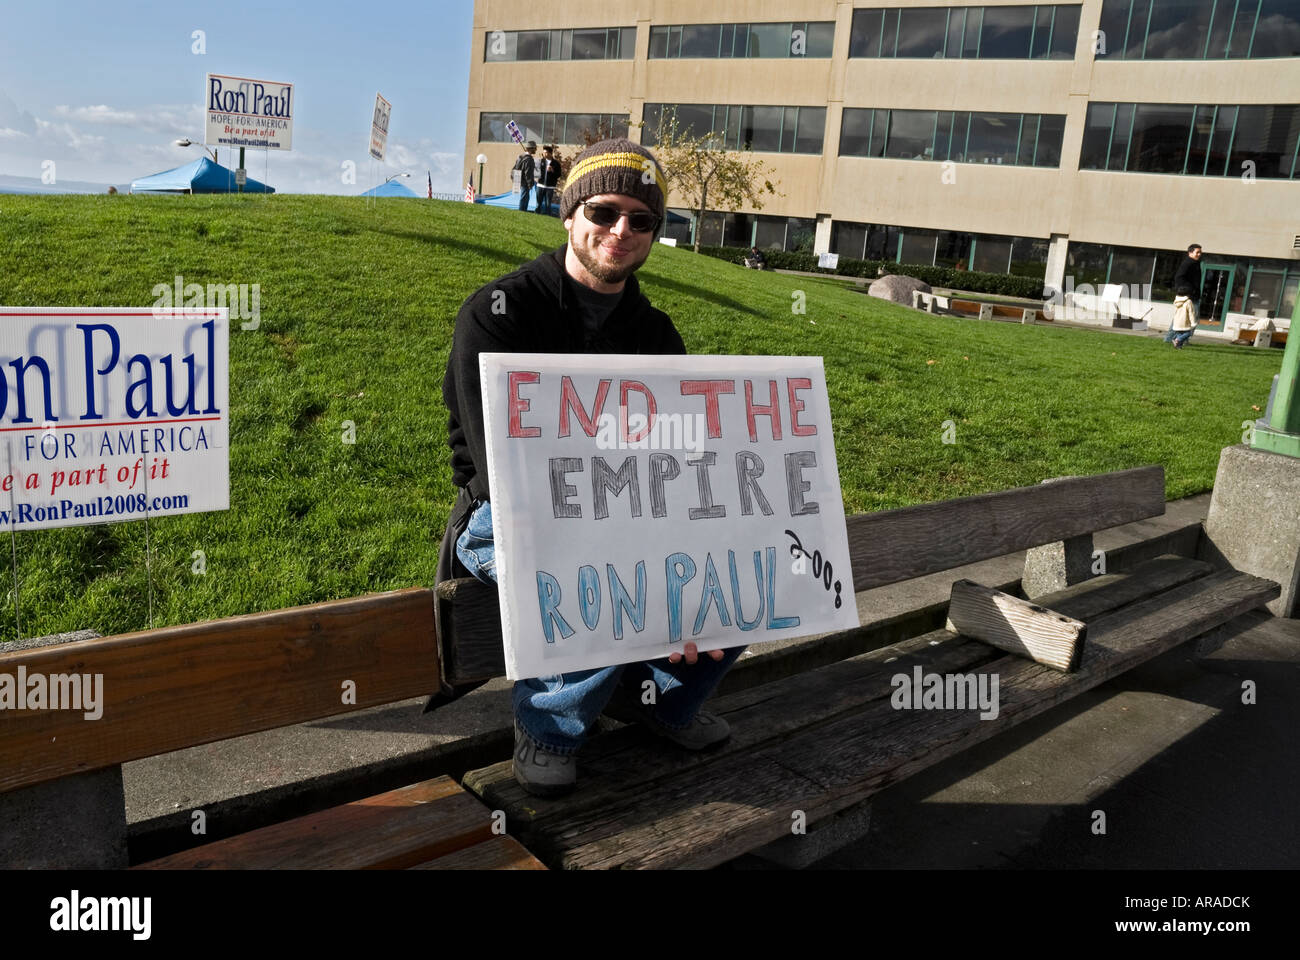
{"x":603,"y":273}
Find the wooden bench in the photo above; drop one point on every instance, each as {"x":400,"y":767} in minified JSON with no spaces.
{"x":178,"y":687}
{"x":814,"y":732}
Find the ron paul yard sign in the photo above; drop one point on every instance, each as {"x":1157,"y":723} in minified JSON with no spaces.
{"x":641,"y":502}
{"x":110,"y":414}
{"x":248,"y":113}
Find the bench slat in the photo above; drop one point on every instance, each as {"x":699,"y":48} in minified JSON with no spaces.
{"x":392,"y":831}
{"x":612,"y":765}
{"x":745,"y":798}
{"x":897,"y":545}
{"x":178,"y":687}
{"x":885,"y":548}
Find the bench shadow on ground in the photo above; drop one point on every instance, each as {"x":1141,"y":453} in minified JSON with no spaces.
{"x":1220,"y":796}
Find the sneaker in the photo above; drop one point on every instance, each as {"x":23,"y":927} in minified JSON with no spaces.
{"x":706,"y":730}
{"x":539,"y":771}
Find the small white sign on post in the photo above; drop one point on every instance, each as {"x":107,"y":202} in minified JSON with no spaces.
{"x":379,"y":127}
{"x":828,"y":261}
{"x":248,"y":113}
{"x":111,"y":414}
{"x":640,"y":502}
{"x":241,"y":177}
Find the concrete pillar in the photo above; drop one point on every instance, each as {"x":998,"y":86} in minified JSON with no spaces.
{"x":822,"y":238}
{"x":1055,"y":566}
{"x":1253,"y":524}
{"x":1055,"y":275}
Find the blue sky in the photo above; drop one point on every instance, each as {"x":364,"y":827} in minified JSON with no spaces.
{"x":104,"y":88}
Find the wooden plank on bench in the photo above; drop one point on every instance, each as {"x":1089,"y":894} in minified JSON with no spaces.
{"x":392,"y":831}
{"x":620,"y":766}
{"x":500,"y":853}
{"x":178,"y":687}
{"x":1017,"y":626}
{"x":897,"y":545}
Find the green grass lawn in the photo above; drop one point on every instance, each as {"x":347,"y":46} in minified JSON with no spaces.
{"x":357,"y":307}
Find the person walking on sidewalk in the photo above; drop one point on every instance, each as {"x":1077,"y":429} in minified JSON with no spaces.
{"x":1187,"y":297}
{"x":581,"y":298}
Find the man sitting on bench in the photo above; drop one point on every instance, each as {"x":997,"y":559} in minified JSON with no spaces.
{"x":581,"y":298}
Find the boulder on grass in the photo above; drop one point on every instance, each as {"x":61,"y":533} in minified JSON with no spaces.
{"x":897,"y":289}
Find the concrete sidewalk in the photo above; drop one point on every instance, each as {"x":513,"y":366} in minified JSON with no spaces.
{"x":290,"y":771}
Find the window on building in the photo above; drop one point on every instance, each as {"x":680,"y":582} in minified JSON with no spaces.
{"x":1065,"y":32}
{"x":771,"y":129}
{"x":911,"y":135}
{"x":1277,"y":32}
{"x":1029,"y":257}
{"x":597,"y":43}
{"x":1086,"y":263}
{"x":1006,"y":32}
{"x":1159,"y":139}
{"x":1265,"y":141}
{"x":1225,"y":118}
{"x":882,"y":242}
{"x":848,"y":239}
{"x":551,"y":127}
{"x":992,"y":254}
{"x":918,"y":247}
{"x":1001,"y":32}
{"x":922,"y":31}
{"x":726,"y":40}
{"x":1133,"y":268}
{"x":711,"y":229}
{"x":864,"y":34}
{"x":994,"y":138}
{"x":1200,"y":29}
{"x":952,"y":249}
{"x":1051,"y":131}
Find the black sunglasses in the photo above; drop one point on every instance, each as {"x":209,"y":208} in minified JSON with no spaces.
{"x":605,"y":216}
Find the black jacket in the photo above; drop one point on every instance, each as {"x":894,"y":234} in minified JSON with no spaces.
{"x":548,"y":172}
{"x":539,"y":313}
{"x":527,"y":168}
{"x":1187,"y":279}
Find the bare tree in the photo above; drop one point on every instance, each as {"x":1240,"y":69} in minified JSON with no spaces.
{"x":700,"y":168}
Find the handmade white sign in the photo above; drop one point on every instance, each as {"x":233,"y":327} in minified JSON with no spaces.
{"x":641,"y":502}
{"x":112,"y":414}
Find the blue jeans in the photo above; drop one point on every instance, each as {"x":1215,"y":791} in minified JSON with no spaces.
{"x":556,"y":711}
{"x":544,"y":195}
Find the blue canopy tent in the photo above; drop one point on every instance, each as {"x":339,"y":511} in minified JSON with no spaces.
{"x":391,"y":189}
{"x":201,"y":176}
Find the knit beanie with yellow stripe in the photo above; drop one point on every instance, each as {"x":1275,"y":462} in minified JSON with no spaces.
{"x":615,"y":166}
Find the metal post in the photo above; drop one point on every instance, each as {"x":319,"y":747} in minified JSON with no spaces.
{"x":480,"y":180}
{"x":1282,"y":432}
{"x":241,"y":166}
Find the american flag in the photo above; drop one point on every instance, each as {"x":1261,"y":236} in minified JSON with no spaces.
{"x":469,"y":192}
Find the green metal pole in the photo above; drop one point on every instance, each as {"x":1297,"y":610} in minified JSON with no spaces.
{"x":1282,"y":433}
{"x":241,"y":166}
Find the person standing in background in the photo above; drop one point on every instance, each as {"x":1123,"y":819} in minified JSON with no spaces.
{"x":1187,"y":297}
{"x":548,"y":175}
{"x":527,"y":172}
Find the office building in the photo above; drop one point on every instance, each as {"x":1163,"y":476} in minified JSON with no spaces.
{"x":1084,"y":143}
